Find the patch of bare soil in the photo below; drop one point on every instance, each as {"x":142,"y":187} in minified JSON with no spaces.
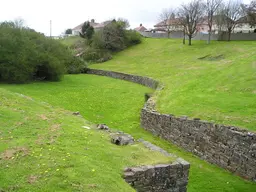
{"x":10,"y":153}
{"x":55,"y":128}
{"x":40,"y":140}
{"x":43,"y":117}
{"x":32,"y":179}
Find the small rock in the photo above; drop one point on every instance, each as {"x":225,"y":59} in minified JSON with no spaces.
{"x":122,"y":139}
{"x":102,"y":127}
{"x":86,"y":127}
{"x":76,"y":113}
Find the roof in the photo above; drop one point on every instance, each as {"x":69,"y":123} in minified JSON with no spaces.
{"x":140,"y":29}
{"x":93,"y":24}
{"x":164,"y":23}
{"x":101,"y":25}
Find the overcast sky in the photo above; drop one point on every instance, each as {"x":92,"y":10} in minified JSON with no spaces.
{"x":70,"y":13}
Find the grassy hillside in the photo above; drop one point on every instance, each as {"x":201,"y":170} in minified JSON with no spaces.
{"x":72,"y":41}
{"x":116,"y":103}
{"x":220,"y":87}
{"x":44,"y":148}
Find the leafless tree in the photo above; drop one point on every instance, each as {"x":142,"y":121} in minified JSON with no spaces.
{"x":232,"y":11}
{"x":218,"y":19}
{"x":191,"y":14}
{"x":211,"y":8}
{"x":250,"y":12}
{"x":19,"y":23}
{"x":166,"y":17}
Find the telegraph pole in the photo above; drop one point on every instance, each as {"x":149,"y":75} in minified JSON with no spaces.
{"x":50,"y":28}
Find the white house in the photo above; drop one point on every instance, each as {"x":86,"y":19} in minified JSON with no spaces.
{"x":96,"y":26}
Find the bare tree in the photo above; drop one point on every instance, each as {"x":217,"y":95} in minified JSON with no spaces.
{"x":218,"y":19}
{"x":231,"y":14}
{"x":250,"y":12}
{"x":211,"y":8}
{"x":19,"y":23}
{"x":181,"y":24}
{"x":166,"y":17}
{"x":191,"y":15}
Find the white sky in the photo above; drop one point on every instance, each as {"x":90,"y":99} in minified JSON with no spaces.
{"x":70,"y":13}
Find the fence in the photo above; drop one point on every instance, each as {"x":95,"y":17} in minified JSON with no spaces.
{"x":219,"y":37}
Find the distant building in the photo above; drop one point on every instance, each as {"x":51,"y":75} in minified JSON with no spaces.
{"x":203,"y":27}
{"x":170,"y":24}
{"x":243,"y":26}
{"x":141,"y":28}
{"x":96,"y":26}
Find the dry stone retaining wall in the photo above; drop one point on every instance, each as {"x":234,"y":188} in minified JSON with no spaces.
{"x":161,"y":178}
{"x":148,"y":82}
{"x":172,"y":177}
{"x":229,"y":147}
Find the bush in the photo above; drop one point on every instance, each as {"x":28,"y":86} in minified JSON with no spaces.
{"x":26,"y":55}
{"x":112,"y":38}
{"x":76,"y":65}
{"x":132,"y":38}
{"x":96,"y":55}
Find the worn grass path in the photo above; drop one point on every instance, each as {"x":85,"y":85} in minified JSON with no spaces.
{"x":118,"y":103}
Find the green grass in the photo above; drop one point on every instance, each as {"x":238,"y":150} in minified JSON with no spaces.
{"x":71,"y":41}
{"x":44,"y":148}
{"x":117,"y":103}
{"x":223,"y":91}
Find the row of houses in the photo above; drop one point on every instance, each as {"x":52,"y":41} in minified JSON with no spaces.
{"x":173,"y":24}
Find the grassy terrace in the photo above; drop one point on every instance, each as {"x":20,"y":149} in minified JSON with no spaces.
{"x":219,"y":88}
{"x":117,"y":104}
{"x":45,"y":148}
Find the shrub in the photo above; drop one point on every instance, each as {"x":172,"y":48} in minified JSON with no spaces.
{"x":76,"y":65}
{"x":132,"y":38}
{"x":112,"y":38}
{"x":96,"y":55}
{"x":26,"y":55}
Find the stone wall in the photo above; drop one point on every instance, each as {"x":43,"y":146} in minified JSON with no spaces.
{"x":158,"y":178}
{"x":229,"y":147}
{"x":172,"y":177}
{"x":222,"y":37}
{"x":148,"y":82}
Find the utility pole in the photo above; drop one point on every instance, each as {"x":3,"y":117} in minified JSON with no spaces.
{"x":50,"y":28}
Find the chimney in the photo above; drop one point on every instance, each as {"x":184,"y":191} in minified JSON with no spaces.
{"x":92,"y":21}
{"x":141,"y":25}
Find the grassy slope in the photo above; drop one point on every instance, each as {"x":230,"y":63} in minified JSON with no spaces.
{"x":118,"y":104}
{"x":46,"y":149}
{"x":71,"y":41}
{"x":223,"y":91}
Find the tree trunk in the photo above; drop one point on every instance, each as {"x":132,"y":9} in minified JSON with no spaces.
{"x":184,"y":37}
{"x":189,"y":40}
{"x":168,"y":33}
{"x":229,"y":34}
{"x":209,"y":35}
